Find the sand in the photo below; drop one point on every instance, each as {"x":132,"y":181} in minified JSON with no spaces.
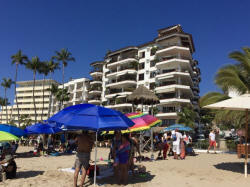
{"x":203,"y":170}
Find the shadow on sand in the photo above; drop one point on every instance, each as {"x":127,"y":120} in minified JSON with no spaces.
{"x":237,"y":167}
{"x":136,"y":179}
{"x":28,"y":174}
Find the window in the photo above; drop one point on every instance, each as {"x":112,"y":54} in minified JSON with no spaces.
{"x":142,"y":54}
{"x":142,"y":65}
{"x":152,"y":86}
{"x":141,"y":77}
{"x":152,"y":63}
{"x":152,"y":74}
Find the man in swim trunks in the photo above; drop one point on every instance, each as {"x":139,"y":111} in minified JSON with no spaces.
{"x":85,"y":144}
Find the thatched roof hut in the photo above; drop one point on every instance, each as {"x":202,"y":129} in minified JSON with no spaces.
{"x":143,"y":95}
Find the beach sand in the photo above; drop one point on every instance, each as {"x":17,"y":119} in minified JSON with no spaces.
{"x":203,"y":170}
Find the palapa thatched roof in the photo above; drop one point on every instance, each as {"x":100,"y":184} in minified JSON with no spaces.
{"x":143,"y":95}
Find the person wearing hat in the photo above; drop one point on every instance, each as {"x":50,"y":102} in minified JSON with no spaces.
{"x":7,"y":163}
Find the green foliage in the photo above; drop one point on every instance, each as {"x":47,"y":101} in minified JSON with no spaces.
{"x":231,"y":145}
{"x":25,"y":120}
{"x":187,"y":117}
{"x":63,"y":56}
{"x":203,"y":144}
{"x":236,"y":77}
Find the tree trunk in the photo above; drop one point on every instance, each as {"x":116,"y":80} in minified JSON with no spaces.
{"x":5,"y":97}
{"x":43,"y":97}
{"x":50,"y":96}
{"x":63,"y":77}
{"x":16,"y":96}
{"x":34,"y":81}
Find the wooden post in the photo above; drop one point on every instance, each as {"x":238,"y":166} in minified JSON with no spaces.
{"x":246,"y":147}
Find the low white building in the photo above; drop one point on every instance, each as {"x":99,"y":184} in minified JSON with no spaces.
{"x":78,"y":90}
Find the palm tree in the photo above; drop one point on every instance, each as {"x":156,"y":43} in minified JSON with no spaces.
{"x":63,"y":56}
{"x":43,"y":69}
{"x":52,"y":67}
{"x":236,"y":76}
{"x":18,"y":59}
{"x":61,"y":96}
{"x":34,"y":66}
{"x":6,"y":84}
{"x":187,"y":117}
{"x":53,"y":91}
{"x":2,"y":104}
{"x":231,"y":77}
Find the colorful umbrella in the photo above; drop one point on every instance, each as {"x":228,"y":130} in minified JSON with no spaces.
{"x":5,"y":136}
{"x":142,"y":122}
{"x":12,"y":130}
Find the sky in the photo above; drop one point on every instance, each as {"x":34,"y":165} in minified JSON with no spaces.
{"x":88,"y":28}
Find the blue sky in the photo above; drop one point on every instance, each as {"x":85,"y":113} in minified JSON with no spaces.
{"x":89,"y":28}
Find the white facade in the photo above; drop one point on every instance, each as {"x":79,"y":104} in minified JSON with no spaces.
{"x":164,"y":65}
{"x":25,"y":101}
{"x":78,"y":89}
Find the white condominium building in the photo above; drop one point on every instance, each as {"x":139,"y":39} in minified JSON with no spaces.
{"x":164,"y":65}
{"x":78,"y":93}
{"x":25,"y":101}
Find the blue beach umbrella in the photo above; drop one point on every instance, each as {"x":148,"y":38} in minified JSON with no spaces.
{"x":12,"y":130}
{"x":91,"y":117}
{"x":41,"y":128}
{"x":177,"y":126}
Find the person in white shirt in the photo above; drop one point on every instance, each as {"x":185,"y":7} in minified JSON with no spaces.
{"x":212,"y":142}
{"x":176,"y":137}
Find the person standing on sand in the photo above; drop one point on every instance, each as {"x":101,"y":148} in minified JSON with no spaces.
{"x":85,"y":144}
{"x":212,"y":142}
{"x":176,"y":137}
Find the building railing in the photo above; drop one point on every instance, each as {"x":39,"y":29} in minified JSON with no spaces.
{"x":114,"y":91}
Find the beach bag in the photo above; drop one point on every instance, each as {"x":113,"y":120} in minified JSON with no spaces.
{"x":91,"y":171}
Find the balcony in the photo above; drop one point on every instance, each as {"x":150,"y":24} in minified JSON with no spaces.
{"x":96,"y":73}
{"x":110,"y":93}
{"x":173,"y":62}
{"x":175,"y":100}
{"x":119,"y":102}
{"x":95,"y":90}
{"x":171,"y":86}
{"x":121,"y":61}
{"x":167,"y":114}
{"x":123,"y":81}
{"x":98,"y":81}
{"x":94,"y":100}
{"x":131,"y":69}
{"x":172,"y":73}
{"x":173,"y":49}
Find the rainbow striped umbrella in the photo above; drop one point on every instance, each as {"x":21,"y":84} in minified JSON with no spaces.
{"x":142,"y":122}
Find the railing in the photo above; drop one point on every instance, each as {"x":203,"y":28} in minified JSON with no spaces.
{"x":122,"y":58}
{"x":122,"y":79}
{"x":95,"y":89}
{"x":121,"y":69}
{"x":114,"y":91}
{"x":96,"y":70}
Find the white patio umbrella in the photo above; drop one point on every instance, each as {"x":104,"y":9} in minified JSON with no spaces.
{"x":240,"y":103}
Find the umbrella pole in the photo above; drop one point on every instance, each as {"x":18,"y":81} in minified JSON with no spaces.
{"x":152,"y":145}
{"x":246,"y":147}
{"x":95,"y":157}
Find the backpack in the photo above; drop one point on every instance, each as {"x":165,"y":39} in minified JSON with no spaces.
{"x":174,"y":137}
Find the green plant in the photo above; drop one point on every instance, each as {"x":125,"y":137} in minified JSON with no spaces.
{"x":153,"y":50}
{"x":203,"y":144}
{"x":231,"y":145}
{"x":187,"y":117}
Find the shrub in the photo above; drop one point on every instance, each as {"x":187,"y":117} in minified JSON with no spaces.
{"x":231,"y":145}
{"x":203,"y":144}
